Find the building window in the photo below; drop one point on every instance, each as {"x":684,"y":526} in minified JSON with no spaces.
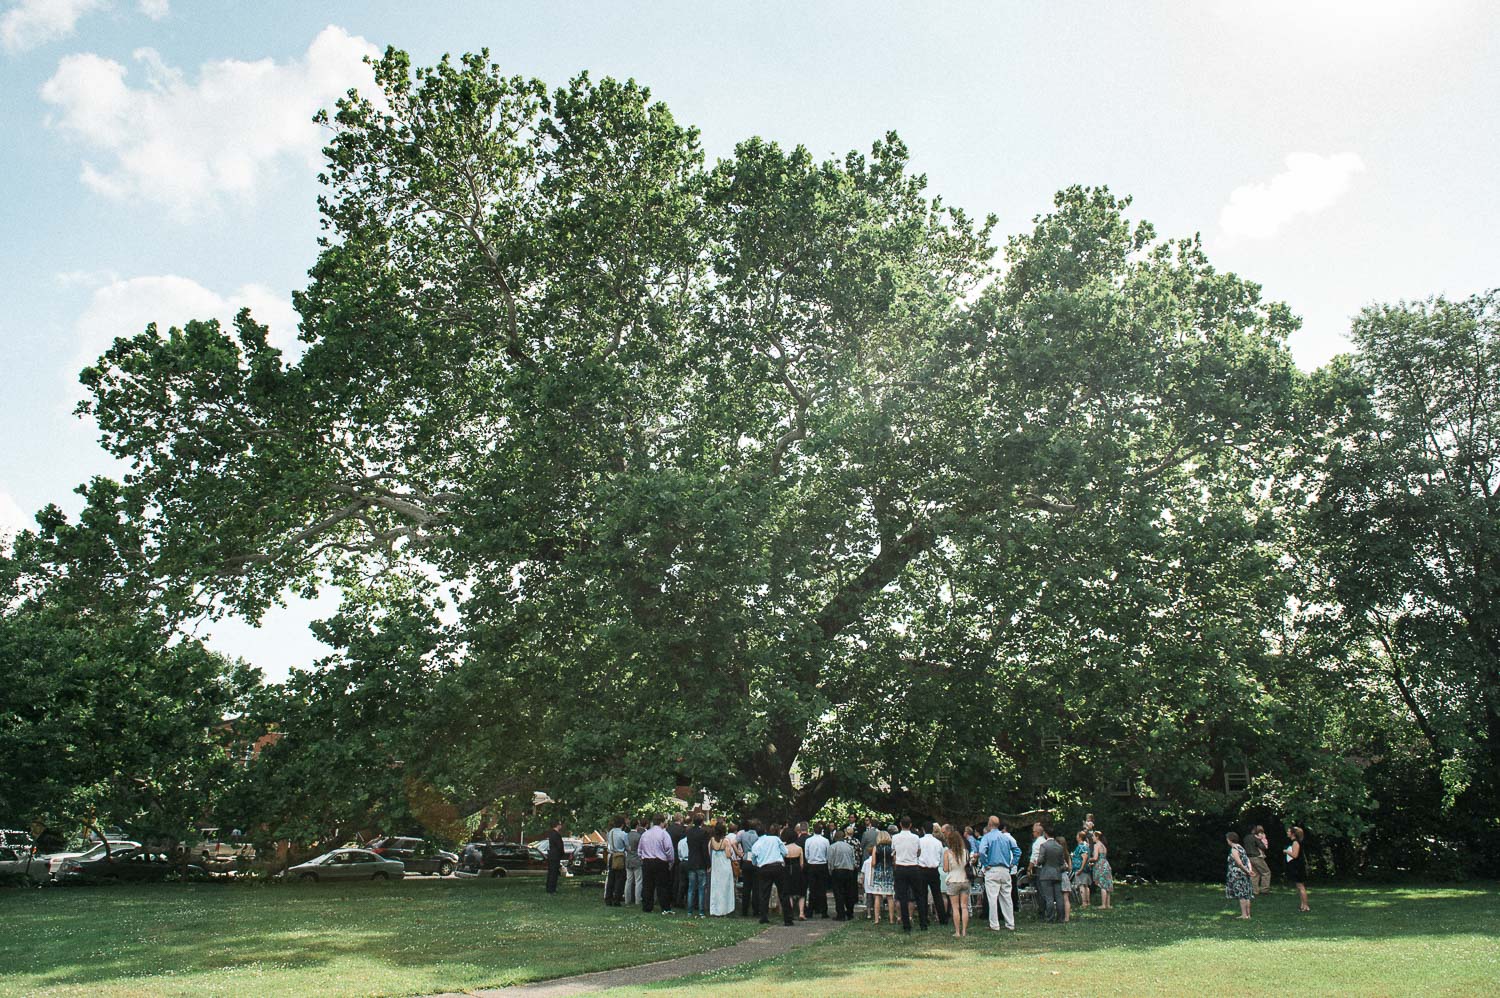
{"x":1236,"y":778}
{"x":1122,"y":788}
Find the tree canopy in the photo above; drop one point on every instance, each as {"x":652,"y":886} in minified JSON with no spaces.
{"x":785,"y":477}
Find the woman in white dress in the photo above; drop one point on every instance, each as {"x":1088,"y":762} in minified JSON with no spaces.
{"x":721,"y":851}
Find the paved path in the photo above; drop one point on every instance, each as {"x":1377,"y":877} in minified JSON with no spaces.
{"x":773,"y":941}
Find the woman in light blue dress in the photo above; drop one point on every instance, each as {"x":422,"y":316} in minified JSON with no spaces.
{"x":721,"y":849}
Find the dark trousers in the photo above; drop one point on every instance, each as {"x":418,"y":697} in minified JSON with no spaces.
{"x":766,"y":877}
{"x":614,"y":887}
{"x":679,"y":883}
{"x":932,"y":882}
{"x":656,"y":884}
{"x":553,"y":871}
{"x":752,"y":896}
{"x":817,"y":889}
{"x":910,"y":887}
{"x":1049,"y":899}
{"x":845,"y":886}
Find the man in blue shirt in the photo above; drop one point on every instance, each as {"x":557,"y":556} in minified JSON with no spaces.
{"x":998,"y":855}
{"x":770,"y":871}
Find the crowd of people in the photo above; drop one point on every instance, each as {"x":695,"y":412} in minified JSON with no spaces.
{"x":899,"y":871}
{"x":711,"y":868}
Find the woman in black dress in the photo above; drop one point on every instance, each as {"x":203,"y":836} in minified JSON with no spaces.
{"x":1296,"y":864}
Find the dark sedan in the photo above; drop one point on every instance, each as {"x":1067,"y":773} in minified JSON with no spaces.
{"x":502,"y":859}
{"x":135,"y":864}
{"x":417,"y":855}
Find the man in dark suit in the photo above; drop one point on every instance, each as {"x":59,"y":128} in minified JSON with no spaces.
{"x":697,"y":868}
{"x":554,"y":856}
{"x":678,"y":830}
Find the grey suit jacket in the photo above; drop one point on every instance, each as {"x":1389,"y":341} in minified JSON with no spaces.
{"x":1053,"y":858}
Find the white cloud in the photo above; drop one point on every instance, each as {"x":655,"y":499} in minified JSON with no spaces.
{"x":1309,"y":184}
{"x":12,"y":520}
{"x":155,"y":9}
{"x":126,"y":307}
{"x":184,"y":144}
{"x":29,"y":23}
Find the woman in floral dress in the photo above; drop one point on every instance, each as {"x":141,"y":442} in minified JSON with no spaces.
{"x":1103,"y":875}
{"x":1237,"y":883}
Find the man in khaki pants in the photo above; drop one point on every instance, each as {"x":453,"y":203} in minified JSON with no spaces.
{"x":1256,"y":845}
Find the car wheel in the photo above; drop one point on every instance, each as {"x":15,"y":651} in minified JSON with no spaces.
{"x":382,"y":875}
{"x":498,"y":873}
{"x":312,"y":877}
{"x":445,"y":868}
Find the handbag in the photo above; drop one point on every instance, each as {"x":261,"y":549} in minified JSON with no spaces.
{"x":617,"y":861}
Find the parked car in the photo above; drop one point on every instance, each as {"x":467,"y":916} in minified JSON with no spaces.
{"x":214,"y":850}
{"x":579,"y":855}
{"x":349,"y":864}
{"x":56,"y":860}
{"x":502,"y":859}
{"x":18,"y":864}
{"x":416,"y":854}
{"x":17,"y":840}
{"x":589,"y":858}
{"x":134,"y":864}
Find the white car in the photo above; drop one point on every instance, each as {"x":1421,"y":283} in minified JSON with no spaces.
{"x":21,"y":863}
{"x":57,"y":859}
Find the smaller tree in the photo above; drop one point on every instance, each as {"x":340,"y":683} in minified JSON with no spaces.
{"x":107,"y":715}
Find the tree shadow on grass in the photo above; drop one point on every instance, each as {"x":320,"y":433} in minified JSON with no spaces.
{"x":420,"y":936}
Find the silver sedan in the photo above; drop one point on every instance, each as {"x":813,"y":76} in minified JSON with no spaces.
{"x":349,"y":864}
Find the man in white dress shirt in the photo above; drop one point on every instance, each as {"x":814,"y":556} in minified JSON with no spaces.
{"x":907,"y":849}
{"x":930,"y":858}
{"x":815,"y":856}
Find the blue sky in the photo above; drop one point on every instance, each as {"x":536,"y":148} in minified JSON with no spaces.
{"x":159,"y":163}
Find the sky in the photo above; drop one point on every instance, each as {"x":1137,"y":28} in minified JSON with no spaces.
{"x":160,"y":163}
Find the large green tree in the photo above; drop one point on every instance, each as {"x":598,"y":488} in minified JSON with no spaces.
{"x":701,"y":452}
{"x":1408,"y":508}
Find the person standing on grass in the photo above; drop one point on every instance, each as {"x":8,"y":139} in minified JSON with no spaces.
{"x":614,"y":883}
{"x":554,"y":856}
{"x":656,"y":866}
{"x":1048,"y":867}
{"x":1254,"y":843}
{"x":770,"y":872}
{"x":1065,"y":885}
{"x":1103,"y":875}
{"x":955,"y":872}
{"x":633,"y":863}
{"x":998,"y":853}
{"x":696,"y":840}
{"x":748,"y":873}
{"x":1238,"y":885}
{"x":721,"y":849}
{"x":910,"y":884}
{"x":883,"y":877}
{"x":841,"y":870}
{"x":1082,"y":876}
{"x":678,"y":831}
{"x":1296,"y":865}
{"x":930,"y":857}
{"x":796,"y":872}
{"x":815,"y":862}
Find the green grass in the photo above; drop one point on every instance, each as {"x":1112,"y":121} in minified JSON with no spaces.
{"x":1169,"y":940}
{"x":404,"y":938}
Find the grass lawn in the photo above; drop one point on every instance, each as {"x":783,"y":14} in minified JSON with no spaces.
{"x":402,"y":938}
{"x":1167,"y":940}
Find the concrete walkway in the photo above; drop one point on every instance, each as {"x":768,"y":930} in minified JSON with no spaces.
{"x":773,"y":941}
